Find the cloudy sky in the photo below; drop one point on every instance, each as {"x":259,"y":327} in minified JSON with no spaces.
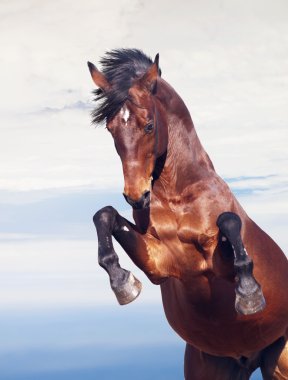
{"x":227,"y":59}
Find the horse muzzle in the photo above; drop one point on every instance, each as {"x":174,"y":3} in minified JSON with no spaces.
{"x":142,"y":202}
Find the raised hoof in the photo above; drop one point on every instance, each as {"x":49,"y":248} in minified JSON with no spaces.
{"x":250,"y":303}
{"x":129,"y":291}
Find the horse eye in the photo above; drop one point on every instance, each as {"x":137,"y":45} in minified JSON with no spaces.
{"x":149,"y":128}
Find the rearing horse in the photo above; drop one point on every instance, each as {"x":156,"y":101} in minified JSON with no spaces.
{"x":191,"y":235}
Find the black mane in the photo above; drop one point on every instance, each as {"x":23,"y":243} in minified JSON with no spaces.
{"x":121,"y":67}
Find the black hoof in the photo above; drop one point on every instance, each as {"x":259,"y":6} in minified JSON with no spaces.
{"x":247,"y":304}
{"x":249,"y":296}
{"x":128,"y":291}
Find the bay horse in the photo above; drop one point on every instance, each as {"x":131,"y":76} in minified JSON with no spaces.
{"x":223,"y":280}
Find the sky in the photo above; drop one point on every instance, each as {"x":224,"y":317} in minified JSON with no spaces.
{"x":227,"y":59}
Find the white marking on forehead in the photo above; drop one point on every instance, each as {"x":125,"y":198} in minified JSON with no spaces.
{"x":125,"y":114}
{"x":125,"y":228}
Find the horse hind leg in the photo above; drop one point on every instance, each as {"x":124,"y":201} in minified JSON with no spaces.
{"x":274,"y":361}
{"x":202,"y":366}
{"x":249,"y":296}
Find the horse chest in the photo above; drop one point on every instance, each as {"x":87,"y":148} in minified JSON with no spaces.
{"x":190,"y":245}
{"x":184,"y":229}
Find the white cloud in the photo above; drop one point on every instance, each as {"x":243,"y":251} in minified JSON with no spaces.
{"x":229,"y":65}
{"x":57,"y":150}
{"x":60,"y":273}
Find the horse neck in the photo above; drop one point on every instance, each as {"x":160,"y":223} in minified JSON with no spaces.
{"x":186,"y":161}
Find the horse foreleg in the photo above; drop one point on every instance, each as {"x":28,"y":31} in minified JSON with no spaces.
{"x":108,"y":223}
{"x":249,"y":296}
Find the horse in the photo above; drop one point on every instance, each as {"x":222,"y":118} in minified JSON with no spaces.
{"x":223,"y":280}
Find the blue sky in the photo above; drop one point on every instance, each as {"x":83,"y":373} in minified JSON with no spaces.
{"x":59,"y":318}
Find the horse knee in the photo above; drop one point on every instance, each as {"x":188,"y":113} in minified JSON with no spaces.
{"x":103,"y":216}
{"x":230,"y":225}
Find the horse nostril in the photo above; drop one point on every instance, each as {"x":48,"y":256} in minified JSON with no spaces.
{"x":146,"y":196}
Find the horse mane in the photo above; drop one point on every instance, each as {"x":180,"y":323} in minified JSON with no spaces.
{"x":120,"y":67}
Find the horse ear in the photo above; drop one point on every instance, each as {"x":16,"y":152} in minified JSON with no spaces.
{"x":149,"y":79}
{"x":98,"y":78}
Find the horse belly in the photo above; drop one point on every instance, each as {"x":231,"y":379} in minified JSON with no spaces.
{"x":212,"y":324}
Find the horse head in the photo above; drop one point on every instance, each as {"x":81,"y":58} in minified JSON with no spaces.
{"x":138,"y":129}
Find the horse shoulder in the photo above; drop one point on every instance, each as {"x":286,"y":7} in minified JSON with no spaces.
{"x":198,"y":210}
